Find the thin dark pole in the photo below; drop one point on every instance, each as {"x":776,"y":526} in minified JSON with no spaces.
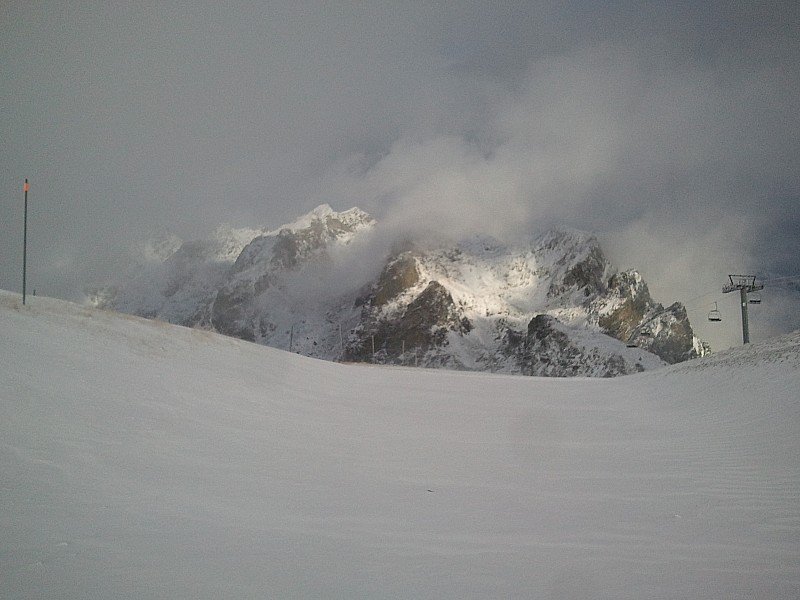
{"x":745,"y":322}
{"x":25,"y":244}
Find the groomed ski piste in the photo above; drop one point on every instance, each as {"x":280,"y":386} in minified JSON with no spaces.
{"x":143,"y":460}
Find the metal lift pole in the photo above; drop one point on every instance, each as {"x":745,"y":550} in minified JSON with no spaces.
{"x":745,"y":284}
{"x":745,"y":323}
{"x":25,"y":244}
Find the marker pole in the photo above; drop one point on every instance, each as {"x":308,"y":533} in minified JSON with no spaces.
{"x":25,"y":243}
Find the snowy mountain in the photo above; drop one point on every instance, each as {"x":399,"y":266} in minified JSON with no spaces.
{"x":548,"y":306}
{"x":140,"y":460}
{"x":553,"y":306}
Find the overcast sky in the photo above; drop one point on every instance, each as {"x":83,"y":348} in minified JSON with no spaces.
{"x":671,"y":129}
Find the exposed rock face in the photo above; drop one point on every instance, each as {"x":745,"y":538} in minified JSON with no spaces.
{"x":418,"y":326}
{"x":553,"y":353}
{"x":641,"y":321}
{"x":672,"y":339}
{"x":548,"y":349}
{"x":587,"y":276}
{"x":625,"y":321}
{"x":399,"y":275}
{"x":552,"y":306}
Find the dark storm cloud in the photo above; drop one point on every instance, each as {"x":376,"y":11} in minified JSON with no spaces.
{"x":670,"y":128}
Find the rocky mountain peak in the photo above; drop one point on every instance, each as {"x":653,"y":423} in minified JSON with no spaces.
{"x":552,"y":305}
{"x":324,"y":218}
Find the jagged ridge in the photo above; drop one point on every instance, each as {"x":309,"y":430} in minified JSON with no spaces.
{"x":551,"y":306}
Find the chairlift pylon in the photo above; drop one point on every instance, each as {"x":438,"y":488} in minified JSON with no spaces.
{"x":715,"y":315}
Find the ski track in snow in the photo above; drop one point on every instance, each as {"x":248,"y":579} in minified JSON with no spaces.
{"x":142,"y":460}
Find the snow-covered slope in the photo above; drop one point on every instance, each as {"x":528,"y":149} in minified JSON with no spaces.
{"x":143,"y":460}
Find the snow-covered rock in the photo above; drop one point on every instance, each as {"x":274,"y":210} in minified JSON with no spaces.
{"x":476,"y":305}
{"x":500,"y":294}
{"x":250,"y":302}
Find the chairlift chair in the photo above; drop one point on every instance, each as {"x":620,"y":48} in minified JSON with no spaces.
{"x":754,"y":298}
{"x":715,"y":315}
{"x":631,"y":343}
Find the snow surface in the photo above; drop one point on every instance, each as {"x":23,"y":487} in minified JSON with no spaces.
{"x":144,"y":460}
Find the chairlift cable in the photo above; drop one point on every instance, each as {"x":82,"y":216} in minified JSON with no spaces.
{"x":781,"y":279}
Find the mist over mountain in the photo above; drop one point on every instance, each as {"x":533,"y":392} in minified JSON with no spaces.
{"x":338,"y":286}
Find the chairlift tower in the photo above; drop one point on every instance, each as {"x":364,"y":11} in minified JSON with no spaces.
{"x":745,"y":284}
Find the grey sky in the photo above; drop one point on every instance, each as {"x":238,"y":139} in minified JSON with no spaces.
{"x":672,"y":129}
